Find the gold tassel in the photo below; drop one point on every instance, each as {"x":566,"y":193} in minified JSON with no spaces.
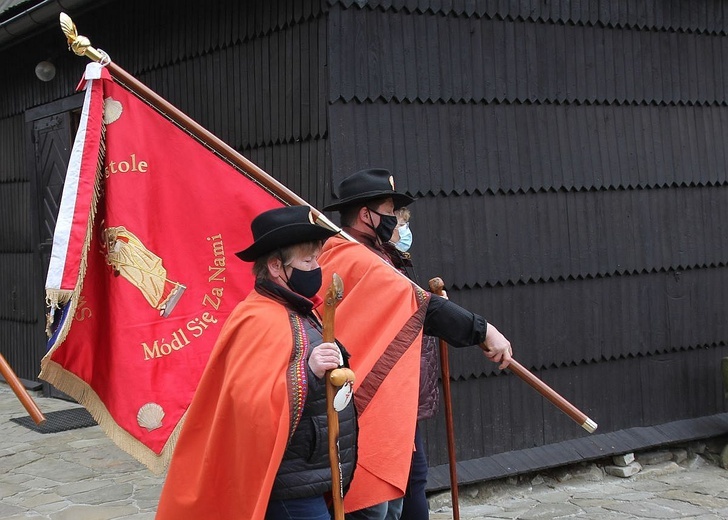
{"x":54,"y":297}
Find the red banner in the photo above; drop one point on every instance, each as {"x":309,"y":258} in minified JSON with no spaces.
{"x":154,"y":275}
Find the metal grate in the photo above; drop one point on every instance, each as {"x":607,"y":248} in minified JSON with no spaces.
{"x":59,"y":421}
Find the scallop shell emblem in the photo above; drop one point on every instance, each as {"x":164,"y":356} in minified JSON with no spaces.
{"x":150,"y":416}
{"x":112,"y":110}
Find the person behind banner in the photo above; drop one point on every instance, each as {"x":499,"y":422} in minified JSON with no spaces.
{"x":402,"y":235}
{"x":367,"y":203}
{"x":254,"y":441}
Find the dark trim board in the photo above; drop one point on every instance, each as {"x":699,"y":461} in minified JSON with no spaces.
{"x":55,"y":107}
{"x":577,"y":450}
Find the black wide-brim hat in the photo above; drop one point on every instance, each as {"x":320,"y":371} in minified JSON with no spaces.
{"x":282,"y":227}
{"x":365,"y":185}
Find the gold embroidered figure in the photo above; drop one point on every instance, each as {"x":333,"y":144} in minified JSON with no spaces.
{"x":128,"y":257}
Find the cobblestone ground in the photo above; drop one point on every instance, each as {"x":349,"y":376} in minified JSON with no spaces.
{"x":72,"y":475}
{"x":695,"y":489}
{"x":81,"y":475}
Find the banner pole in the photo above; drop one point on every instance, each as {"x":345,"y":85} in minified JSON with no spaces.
{"x":23,"y":396}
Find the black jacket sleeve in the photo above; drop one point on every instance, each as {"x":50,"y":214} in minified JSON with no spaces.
{"x":458,"y":326}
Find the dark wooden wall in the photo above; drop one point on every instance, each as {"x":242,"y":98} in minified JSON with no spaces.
{"x":20,"y":299}
{"x":569,"y":160}
{"x":570,"y":163}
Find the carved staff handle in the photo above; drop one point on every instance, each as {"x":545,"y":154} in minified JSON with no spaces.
{"x":334,"y":294}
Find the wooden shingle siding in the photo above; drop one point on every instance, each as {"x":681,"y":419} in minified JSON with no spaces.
{"x":18,"y":303}
{"x":20,"y":297}
{"x":562,"y":323}
{"x":456,"y":149}
{"x":16,"y":337}
{"x":705,"y":16}
{"x":298,"y":165}
{"x":420,"y":57}
{"x":569,"y":160}
{"x":261,"y":92}
{"x":146,"y":36}
{"x":15,"y":230}
{"x":12,"y":166}
{"x":534,"y":237}
{"x":656,"y":388}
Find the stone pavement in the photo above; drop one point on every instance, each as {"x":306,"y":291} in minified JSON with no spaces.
{"x":696,"y":489}
{"x":81,"y":475}
{"x":73,"y":475}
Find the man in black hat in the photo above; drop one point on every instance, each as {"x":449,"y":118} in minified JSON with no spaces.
{"x":367,"y":203}
{"x":252,"y":447}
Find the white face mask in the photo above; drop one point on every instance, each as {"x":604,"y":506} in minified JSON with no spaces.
{"x":405,"y":238}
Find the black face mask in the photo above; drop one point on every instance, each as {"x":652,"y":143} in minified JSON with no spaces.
{"x":305,"y":283}
{"x":386,"y":226}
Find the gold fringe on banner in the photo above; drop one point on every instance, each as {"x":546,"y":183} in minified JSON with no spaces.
{"x":73,"y":385}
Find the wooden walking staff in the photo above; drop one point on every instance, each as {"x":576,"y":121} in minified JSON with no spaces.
{"x":82,"y":47}
{"x":21,"y":392}
{"x":334,"y":379}
{"x":437,"y":286}
{"x":545,"y":390}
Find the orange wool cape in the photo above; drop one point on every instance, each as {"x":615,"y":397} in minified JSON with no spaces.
{"x":379,"y":321}
{"x":237,"y":426}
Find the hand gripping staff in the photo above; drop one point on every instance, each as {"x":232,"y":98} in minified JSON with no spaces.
{"x":334,"y":379}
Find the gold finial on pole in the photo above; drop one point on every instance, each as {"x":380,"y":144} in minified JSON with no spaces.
{"x":80,"y":45}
